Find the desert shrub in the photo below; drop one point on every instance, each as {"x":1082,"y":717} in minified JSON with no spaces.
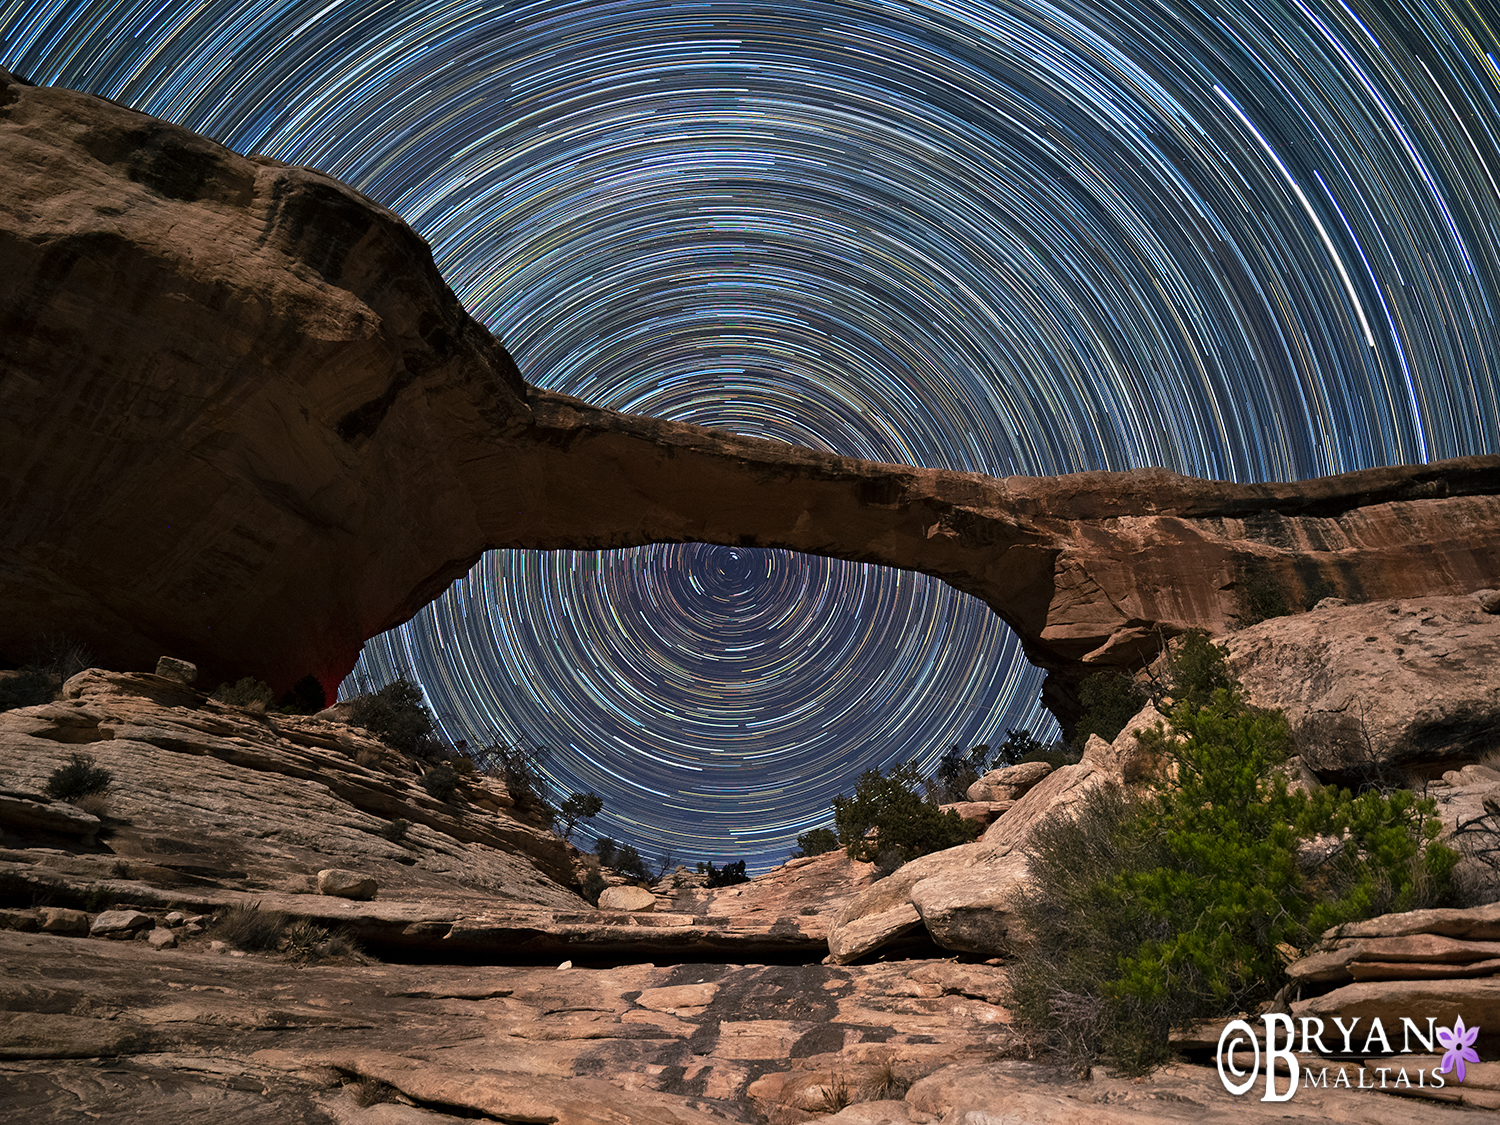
{"x":395,"y":830}
{"x":519,"y":768}
{"x":576,"y":807}
{"x":815,"y":842}
{"x":1055,"y":754}
{"x":29,"y":687}
{"x":959,"y":768}
{"x":885,"y":1083}
{"x":836,"y":1095}
{"x":627,"y":861}
{"x":62,"y":656}
{"x":1197,"y":669}
{"x":887,"y":862}
{"x":396,"y":715}
{"x":891,"y":805}
{"x":956,"y":770}
{"x":247,"y":692}
{"x":593,"y":887}
{"x":731,"y":874}
{"x":307,"y":941}
{"x":441,"y":781}
{"x":250,"y":928}
{"x":1259,"y":596}
{"x":665,"y":862}
{"x":1109,"y":700}
{"x":95,"y":804}
{"x":1149,"y":912}
{"x":1019,"y":746}
{"x":605,"y":848}
{"x":78,"y":779}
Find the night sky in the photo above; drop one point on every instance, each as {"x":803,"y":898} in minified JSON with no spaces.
{"x":1245,"y":239}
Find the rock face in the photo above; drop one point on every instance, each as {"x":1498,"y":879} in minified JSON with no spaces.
{"x":1442,"y":964}
{"x":250,"y":382}
{"x":1405,"y":682}
{"x":256,"y":1039}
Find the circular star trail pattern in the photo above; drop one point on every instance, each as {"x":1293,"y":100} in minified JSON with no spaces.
{"x":1247,"y":241}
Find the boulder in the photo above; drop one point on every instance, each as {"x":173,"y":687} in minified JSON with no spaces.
{"x":633,"y":899}
{"x":863,"y":934}
{"x":120,"y":923}
{"x":1476,"y":1000}
{"x":1399,"y":682}
{"x":1053,"y":795}
{"x":346,"y":884}
{"x":310,"y":439}
{"x":170,"y":668}
{"x":967,"y":909}
{"x":1008,"y":782}
{"x":1473,"y":923}
{"x":24,"y":920}
{"x":62,"y":920}
{"x":1348,"y":958}
{"x":162,"y":938}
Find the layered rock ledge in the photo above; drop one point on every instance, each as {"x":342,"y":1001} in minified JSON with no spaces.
{"x":214,"y":806}
{"x":250,"y":383}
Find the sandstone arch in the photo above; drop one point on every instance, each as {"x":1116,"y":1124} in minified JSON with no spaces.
{"x":243,"y":421}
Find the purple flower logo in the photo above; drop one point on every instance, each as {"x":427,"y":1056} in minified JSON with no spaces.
{"x":1458,"y":1042}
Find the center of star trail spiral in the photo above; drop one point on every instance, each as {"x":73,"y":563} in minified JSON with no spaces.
{"x":1242,"y":240}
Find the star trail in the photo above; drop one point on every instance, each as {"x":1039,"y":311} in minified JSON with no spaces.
{"x":1241,"y":240}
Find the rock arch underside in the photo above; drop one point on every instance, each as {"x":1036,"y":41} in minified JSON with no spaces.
{"x":244,"y":421}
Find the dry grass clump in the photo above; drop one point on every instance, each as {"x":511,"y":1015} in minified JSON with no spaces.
{"x":307,"y":941}
{"x":271,"y":931}
{"x":371,"y":1091}
{"x":885,"y":1083}
{"x":95,"y":804}
{"x":250,"y":693}
{"x":78,"y":779}
{"x":836,"y":1095}
{"x":250,"y":928}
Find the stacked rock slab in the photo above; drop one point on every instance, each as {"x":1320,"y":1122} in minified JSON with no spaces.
{"x":251,"y":383}
{"x":214,"y":806}
{"x":1438,"y":965}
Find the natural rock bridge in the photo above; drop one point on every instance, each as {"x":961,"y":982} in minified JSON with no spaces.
{"x":244,"y":421}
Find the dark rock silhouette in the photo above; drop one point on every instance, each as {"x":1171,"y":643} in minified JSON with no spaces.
{"x":242,"y":419}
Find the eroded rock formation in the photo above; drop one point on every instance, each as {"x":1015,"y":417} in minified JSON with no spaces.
{"x":122,"y":1002}
{"x":243,"y":419}
{"x":1411,"y":683}
{"x":213,"y":805}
